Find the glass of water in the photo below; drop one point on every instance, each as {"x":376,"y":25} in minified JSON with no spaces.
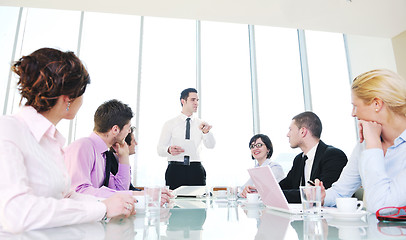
{"x":232,"y":193}
{"x":311,"y":200}
{"x":152,"y":200}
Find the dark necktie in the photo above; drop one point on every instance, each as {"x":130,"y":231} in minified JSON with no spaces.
{"x":108,"y":155}
{"x":187,"y":136}
{"x":303,"y":170}
{"x":112,"y":168}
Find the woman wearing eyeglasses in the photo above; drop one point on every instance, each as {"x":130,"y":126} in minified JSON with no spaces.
{"x":378,"y":162}
{"x":261,"y":150}
{"x":34,"y":184}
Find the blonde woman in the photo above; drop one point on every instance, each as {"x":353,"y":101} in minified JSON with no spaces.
{"x":378,"y":162}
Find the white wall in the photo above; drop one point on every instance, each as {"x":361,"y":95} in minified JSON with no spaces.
{"x":363,"y":17}
{"x":399,"y":47}
{"x":368,"y":53}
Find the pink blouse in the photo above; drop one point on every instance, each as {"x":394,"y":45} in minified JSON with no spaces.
{"x":34,"y":183}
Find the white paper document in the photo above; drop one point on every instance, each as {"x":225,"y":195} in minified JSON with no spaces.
{"x":187,"y":145}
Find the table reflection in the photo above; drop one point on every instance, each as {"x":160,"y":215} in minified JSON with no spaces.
{"x":394,"y":229}
{"x":353,"y":229}
{"x":272,"y":225}
{"x":115,"y":229}
{"x":194,"y":219}
{"x":314,"y":228}
{"x":185,"y":223}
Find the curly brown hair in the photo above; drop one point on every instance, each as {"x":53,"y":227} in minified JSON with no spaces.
{"x":47,"y":74}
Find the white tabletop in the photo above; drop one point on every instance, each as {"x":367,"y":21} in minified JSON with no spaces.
{"x":211,"y":218}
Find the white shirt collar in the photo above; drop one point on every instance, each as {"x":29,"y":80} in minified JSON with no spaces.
{"x":39,"y":125}
{"x":184,"y":117}
{"x":400,"y":139}
{"x":312,"y":153}
{"x":266,"y":162}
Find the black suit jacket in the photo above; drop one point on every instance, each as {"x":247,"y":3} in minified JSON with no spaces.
{"x":327,"y":166}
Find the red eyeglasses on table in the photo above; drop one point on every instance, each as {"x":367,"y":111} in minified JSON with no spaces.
{"x":391,"y":214}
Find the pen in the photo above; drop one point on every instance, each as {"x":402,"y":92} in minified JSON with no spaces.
{"x":311,"y":183}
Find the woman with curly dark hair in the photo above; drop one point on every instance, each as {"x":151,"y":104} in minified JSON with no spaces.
{"x":34,"y":184}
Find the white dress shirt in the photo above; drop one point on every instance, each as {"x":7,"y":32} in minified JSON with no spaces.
{"x":34,"y":183}
{"x":309,"y":163}
{"x":276,"y":168}
{"x":174,"y":131}
{"x":382,"y":176}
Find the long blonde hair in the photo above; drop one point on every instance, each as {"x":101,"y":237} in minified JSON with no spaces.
{"x":389,"y":86}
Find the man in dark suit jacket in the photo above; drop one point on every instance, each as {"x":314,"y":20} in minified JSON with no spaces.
{"x":322,"y":161}
{"x":112,"y":162}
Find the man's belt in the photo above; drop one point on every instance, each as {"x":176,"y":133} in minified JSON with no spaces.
{"x":183,"y":164}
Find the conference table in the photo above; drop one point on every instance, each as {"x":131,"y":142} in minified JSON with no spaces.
{"x":216,"y":218}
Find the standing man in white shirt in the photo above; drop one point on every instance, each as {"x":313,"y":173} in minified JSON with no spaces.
{"x":185,"y":132}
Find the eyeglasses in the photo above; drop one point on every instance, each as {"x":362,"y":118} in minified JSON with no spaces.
{"x":391,"y":214}
{"x":258,"y":145}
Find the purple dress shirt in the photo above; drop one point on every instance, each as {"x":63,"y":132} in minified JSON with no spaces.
{"x":86,"y":163}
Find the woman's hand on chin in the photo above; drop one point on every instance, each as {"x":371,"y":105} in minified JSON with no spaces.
{"x":371,"y":133}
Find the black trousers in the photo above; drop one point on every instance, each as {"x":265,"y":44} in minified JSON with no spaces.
{"x":185,"y":175}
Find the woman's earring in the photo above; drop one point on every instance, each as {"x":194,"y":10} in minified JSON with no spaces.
{"x":376,"y":110}
{"x":67,"y":108}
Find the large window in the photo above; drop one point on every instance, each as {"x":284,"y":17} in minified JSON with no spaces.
{"x":330,"y":88}
{"x":8,"y":15}
{"x":226,"y":98}
{"x":34,"y":33}
{"x":168,"y":67}
{"x":109,"y":48}
{"x":151,"y":78}
{"x":279,"y":87}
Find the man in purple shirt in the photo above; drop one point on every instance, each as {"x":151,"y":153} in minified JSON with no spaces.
{"x":86,"y":157}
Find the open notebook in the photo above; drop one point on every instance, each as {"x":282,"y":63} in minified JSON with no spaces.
{"x":270,"y":191}
{"x":190,"y":191}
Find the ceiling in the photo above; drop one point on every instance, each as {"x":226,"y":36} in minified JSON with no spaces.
{"x":379,"y":18}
